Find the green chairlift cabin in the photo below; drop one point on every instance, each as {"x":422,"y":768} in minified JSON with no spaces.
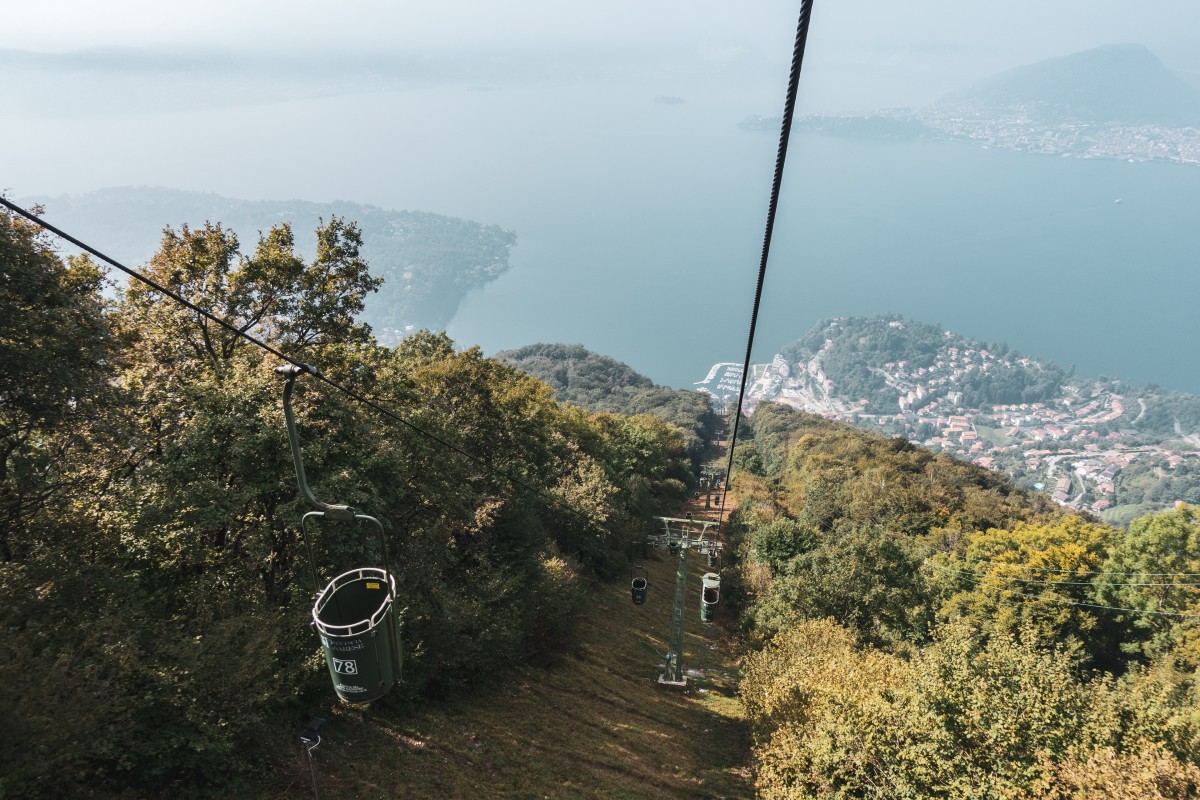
{"x":639,"y":585}
{"x":355,"y":613}
{"x":710,"y":593}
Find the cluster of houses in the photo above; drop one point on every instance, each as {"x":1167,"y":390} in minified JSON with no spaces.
{"x":1071,"y":446}
{"x":1018,"y":131}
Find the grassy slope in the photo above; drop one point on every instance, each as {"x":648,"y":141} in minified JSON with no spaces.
{"x":594,"y":725}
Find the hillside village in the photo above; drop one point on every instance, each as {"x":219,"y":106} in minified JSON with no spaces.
{"x":1082,"y":446}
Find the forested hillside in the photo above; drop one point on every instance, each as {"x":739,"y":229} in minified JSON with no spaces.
{"x":920,"y":627}
{"x":864,"y":351}
{"x":913,"y":625}
{"x":156,"y":592}
{"x":600,"y":383}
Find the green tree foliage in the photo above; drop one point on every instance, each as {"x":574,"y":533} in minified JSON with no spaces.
{"x":964,"y":718}
{"x":746,"y":458}
{"x":1157,"y":703}
{"x":989,"y":711}
{"x":1034,"y":580}
{"x":599,"y":383}
{"x":958,"y":721}
{"x":178,"y":564}
{"x":54,"y":344}
{"x":779,"y":541}
{"x":272,"y":294}
{"x":1150,"y":483}
{"x":428,"y":261}
{"x":863,"y":578}
{"x":576,"y":374}
{"x":1165,"y":410}
{"x":824,"y":713}
{"x":156,"y":622}
{"x":827,"y":473}
{"x":1148,"y":772}
{"x":1149,"y":570}
{"x":861,"y":346}
{"x":922,"y":628}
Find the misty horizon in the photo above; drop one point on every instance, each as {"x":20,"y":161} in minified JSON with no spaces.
{"x":841,"y":90}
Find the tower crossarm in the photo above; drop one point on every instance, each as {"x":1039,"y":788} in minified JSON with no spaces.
{"x":691,"y":534}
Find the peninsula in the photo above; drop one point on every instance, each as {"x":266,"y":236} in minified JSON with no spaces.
{"x":1096,"y":444}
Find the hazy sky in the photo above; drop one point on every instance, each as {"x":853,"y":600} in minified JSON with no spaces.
{"x":869,"y":53}
{"x":1022,"y":28}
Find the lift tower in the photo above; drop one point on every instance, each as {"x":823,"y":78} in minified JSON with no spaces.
{"x":679,"y":536}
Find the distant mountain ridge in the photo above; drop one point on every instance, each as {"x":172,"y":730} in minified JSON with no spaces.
{"x":1112,"y":102}
{"x":1120,"y":83}
{"x":428,"y":261}
{"x":156,"y":79}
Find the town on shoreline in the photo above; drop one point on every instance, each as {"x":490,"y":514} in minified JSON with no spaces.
{"x":1082,"y":446}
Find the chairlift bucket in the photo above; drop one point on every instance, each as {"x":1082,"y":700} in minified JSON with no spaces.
{"x":710,"y":593}
{"x":638,"y":589}
{"x":356,"y":618}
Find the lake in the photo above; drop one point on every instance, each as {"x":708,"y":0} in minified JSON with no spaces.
{"x":657,"y":267}
{"x":641,"y":222}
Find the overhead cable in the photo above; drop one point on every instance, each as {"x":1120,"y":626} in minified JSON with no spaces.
{"x":1063,"y":570}
{"x":1087,"y":571}
{"x":1058,"y":600}
{"x":789,"y":110}
{"x":1044,"y":582}
{"x":308,"y":368}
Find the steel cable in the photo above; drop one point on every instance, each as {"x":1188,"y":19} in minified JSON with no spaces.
{"x":307,"y":368}
{"x":789,"y":110}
